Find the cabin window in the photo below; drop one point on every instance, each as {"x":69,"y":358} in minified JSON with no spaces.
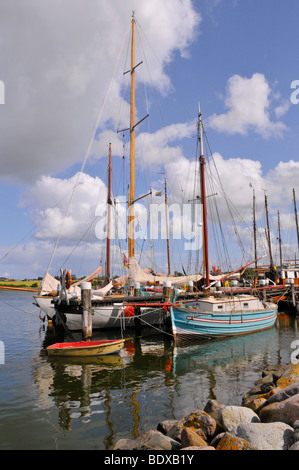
{"x":220,"y":307}
{"x":245,"y":304}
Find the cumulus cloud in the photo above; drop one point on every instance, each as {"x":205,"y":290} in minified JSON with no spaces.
{"x":57,"y":60}
{"x":70,"y":203}
{"x":47,"y":200}
{"x":248,"y":108}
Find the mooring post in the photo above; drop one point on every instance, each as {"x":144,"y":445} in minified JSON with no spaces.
{"x":190,"y":286}
{"x":86,"y":311}
{"x":166,"y":291}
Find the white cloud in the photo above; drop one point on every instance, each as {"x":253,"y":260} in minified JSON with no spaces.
{"x":156,"y":148}
{"x":57,"y":58}
{"x":248,"y":102}
{"x":48,"y":206}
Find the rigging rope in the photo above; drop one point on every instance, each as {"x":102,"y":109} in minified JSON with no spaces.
{"x":87,"y":151}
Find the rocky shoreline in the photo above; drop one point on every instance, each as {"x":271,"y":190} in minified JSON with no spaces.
{"x":268,"y":419}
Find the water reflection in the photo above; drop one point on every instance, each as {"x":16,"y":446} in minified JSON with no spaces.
{"x":151,"y":379}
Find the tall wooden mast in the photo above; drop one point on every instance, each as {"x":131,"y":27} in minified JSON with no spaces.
{"x":279,"y":240}
{"x":254,"y":230}
{"x":109,"y":219}
{"x":132,"y":148}
{"x":296,"y":216}
{"x":268,"y":232}
{"x":203,"y":199}
{"x":167,"y":230}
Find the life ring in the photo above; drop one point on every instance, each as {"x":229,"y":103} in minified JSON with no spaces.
{"x":67,"y":279}
{"x":129,"y":311}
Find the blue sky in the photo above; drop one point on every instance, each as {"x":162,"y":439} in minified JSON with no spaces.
{"x":237,"y":57}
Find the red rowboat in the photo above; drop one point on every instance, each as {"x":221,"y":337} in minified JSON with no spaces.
{"x":85,"y":348}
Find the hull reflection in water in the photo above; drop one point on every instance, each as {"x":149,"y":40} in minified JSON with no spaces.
{"x":114,"y":397}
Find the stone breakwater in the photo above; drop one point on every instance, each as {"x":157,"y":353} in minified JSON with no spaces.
{"x":268,"y":419}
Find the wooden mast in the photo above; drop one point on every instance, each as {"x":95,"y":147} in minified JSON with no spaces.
{"x":132,"y":148}
{"x":167,"y":231}
{"x":279,"y":240}
{"x":254,"y":230}
{"x":296,"y":216}
{"x":203,"y":199}
{"x":268,"y":232}
{"x":109,"y":202}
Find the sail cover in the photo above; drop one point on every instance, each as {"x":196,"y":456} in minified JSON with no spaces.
{"x":136,"y":274}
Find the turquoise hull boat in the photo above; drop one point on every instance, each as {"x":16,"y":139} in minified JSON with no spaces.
{"x":220,"y":317}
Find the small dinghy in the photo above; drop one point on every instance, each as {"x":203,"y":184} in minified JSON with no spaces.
{"x":85,"y":348}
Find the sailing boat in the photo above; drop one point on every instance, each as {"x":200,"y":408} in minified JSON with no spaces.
{"x":218,"y":316}
{"x":112,"y":312}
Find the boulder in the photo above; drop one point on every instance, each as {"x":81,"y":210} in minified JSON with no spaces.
{"x":212,"y":406}
{"x":296,"y":430}
{"x":189,"y":437}
{"x":166,"y":426}
{"x":294,"y":446}
{"x":228,"y":441}
{"x":283,"y":394}
{"x":231,"y":416}
{"x":151,"y":440}
{"x":286,"y":411}
{"x":289,"y":376}
{"x":200,"y":421}
{"x":276,"y":371}
{"x":255,"y":403}
{"x":267,"y":436}
{"x":198,"y":448}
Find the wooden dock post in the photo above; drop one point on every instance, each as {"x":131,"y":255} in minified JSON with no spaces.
{"x":190,"y":286}
{"x":86,"y":311}
{"x":166,"y":291}
{"x":136,"y":289}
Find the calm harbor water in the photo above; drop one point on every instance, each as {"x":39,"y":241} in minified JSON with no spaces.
{"x":91,"y":403}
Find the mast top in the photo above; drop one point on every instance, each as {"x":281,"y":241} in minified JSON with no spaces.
{"x":199,"y":112}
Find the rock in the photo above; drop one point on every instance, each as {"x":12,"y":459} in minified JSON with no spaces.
{"x":200,"y":421}
{"x":275,"y":370}
{"x":265,"y":379}
{"x":296,"y":430}
{"x":212,"y":406}
{"x":286,"y":411}
{"x":284,"y":394}
{"x":256,"y":390}
{"x":266,"y":383}
{"x":267,"y":436}
{"x":124,"y":444}
{"x":294,"y":446}
{"x":167,"y":425}
{"x":289,"y":376}
{"x":231,"y":416}
{"x":153,"y":440}
{"x":255,"y":403}
{"x":191,"y":438}
{"x":198,"y":448}
{"x":230,"y":442}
